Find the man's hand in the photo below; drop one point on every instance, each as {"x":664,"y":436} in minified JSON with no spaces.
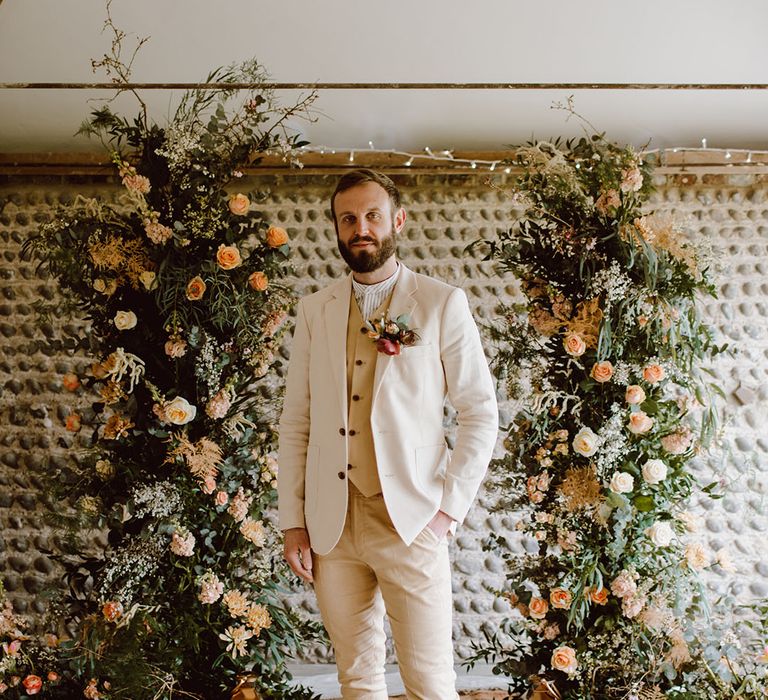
{"x":298,"y":553}
{"x":440,"y":524}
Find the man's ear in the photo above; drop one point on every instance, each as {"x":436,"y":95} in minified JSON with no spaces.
{"x":400,"y":217}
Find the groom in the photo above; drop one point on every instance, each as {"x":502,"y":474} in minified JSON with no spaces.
{"x":368,"y":489}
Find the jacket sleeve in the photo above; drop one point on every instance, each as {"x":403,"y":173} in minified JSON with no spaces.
{"x":472,"y":393}
{"x":294,"y":429}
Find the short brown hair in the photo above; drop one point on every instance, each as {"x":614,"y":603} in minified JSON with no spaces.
{"x":360,"y":176}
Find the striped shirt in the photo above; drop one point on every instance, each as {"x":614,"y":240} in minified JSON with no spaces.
{"x":370,"y":296}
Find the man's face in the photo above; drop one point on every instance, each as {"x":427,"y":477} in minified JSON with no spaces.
{"x":366,"y":227}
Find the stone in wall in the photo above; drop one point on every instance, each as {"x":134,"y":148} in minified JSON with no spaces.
{"x":446,"y":213}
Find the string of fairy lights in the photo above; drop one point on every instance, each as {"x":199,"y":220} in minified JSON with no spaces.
{"x":726,"y":156}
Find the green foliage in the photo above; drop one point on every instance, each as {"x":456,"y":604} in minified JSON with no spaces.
{"x":180,"y":284}
{"x":608,"y":356}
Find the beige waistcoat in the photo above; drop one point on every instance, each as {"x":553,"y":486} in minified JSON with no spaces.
{"x":361,"y":368}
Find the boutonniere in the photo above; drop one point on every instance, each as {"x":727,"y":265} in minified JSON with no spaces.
{"x":390,"y":335}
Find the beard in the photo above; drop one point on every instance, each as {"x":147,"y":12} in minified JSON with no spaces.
{"x":363,"y":260}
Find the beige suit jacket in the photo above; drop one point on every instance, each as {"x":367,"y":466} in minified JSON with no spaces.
{"x":419,"y":474}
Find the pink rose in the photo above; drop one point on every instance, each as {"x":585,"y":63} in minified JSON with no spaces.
{"x":209,"y":485}
{"x":239,"y":204}
{"x":221,"y":498}
{"x":387,"y":346}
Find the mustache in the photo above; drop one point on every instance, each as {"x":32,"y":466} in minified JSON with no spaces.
{"x":362,"y":239}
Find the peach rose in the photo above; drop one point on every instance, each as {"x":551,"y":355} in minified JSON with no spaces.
{"x":72,"y":423}
{"x":175,"y":347}
{"x":574,"y":344}
{"x":653,"y":374}
{"x":32,"y":684}
{"x":276,"y":236}
{"x":560,"y":598}
{"x":112,"y":610}
{"x":602,"y":371}
{"x":221,"y":498}
{"x":209,"y":485}
{"x":564,"y":659}
{"x":100,"y":285}
{"x":635,"y":395}
{"x":70,"y":382}
{"x":639,"y":422}
{"x":195,"y":288}
{"x":258,"y":281}
{"x":239,"y":204}
{"x":538,"y":608}
{"x":599,"y":596}
{"x":228,"y":257}
{"x":125,"y":320}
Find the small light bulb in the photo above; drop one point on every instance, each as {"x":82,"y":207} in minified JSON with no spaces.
{"x":370,"y":144}
{"x":474,"y":165}
{"x":507,"y":170}
{"x":749,"y":157}
{"x":493,"y":167}
{"x":727,"y":155}
{"x":409,"y":162}
{"x":703,"y":143}
{"x":351,"y":156}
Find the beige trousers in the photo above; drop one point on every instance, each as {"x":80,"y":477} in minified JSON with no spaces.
{"x":369,"y":571}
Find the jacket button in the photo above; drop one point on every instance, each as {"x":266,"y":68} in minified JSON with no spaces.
{"x":349,"y":466}
{"x":342,"y":431}
{"x":355,"y":397}
{"x":341,"y":475}
{"x":358,"y":362}
{"x":363,"y":330}
{"x":352,"y":432}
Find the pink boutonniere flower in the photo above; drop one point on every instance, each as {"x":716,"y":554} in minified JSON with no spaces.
{"x":391,"y":335}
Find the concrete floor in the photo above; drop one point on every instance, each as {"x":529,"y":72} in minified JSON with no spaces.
{"x":322,"y":679}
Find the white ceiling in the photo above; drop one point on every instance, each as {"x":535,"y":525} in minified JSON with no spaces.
{"x":700,"y":41}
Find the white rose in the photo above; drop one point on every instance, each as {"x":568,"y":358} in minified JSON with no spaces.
{"x":622,"y":482}
{"x":660,"y":533}
{"x":654,"y":471}
{"x":125,"y":320}
{"x":586,"y":442}
{"x":179,"y":411}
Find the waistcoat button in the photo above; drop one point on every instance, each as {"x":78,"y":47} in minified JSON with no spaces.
{"x":342,"y":431}
{"x":341,"y":475}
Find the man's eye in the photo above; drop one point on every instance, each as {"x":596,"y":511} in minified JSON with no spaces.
{"x":374,"y":216}
{"x":347,"y":219}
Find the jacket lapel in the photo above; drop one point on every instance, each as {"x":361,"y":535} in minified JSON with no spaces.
{"x":336,"y":314}
{"x":403,"y":302}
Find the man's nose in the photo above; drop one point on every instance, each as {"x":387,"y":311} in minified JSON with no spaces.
{"x":361,"y":227}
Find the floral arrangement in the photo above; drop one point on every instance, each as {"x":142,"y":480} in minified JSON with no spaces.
{"x":391,"y":335}
{"x":179,"y":280}
{"x":608,"y":354}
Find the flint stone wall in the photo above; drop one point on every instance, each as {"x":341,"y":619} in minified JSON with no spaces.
{"x":446,"y":213}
